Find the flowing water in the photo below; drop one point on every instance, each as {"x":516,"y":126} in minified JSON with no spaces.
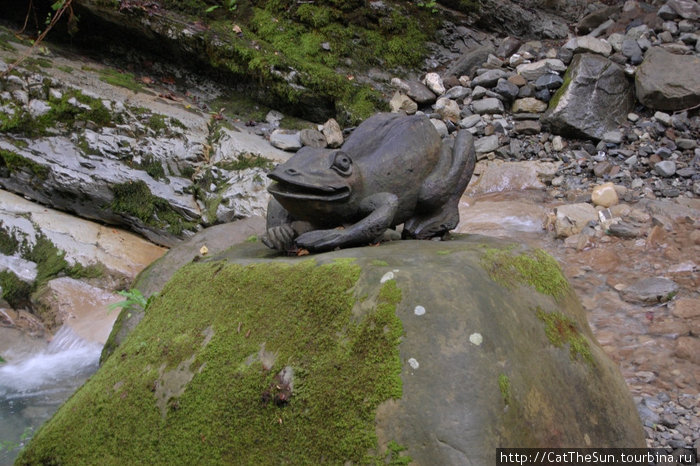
{"x":34,"y":383}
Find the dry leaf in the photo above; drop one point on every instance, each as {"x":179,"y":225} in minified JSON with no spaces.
{"x":302,"y":252}
{"x":204,"y":250}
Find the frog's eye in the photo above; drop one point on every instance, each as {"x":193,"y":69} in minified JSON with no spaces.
{"x":342,"y":163}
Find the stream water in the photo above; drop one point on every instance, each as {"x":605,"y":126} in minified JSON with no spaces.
{"x":35,"y":381}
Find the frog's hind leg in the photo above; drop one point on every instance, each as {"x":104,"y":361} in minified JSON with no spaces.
{"x":437,"y":211}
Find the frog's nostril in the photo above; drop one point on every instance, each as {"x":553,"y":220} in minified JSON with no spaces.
{"x":292,"y":171}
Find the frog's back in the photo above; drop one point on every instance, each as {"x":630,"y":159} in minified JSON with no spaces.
{"x":395,"y":145}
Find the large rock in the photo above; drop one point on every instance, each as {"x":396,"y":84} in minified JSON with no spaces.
{"x":446,"y":349}
{"x":658,"y":89}
{"x":595,"y":98}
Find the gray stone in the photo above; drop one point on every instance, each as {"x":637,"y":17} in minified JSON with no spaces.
{"x":613,"y":137}
{"x":549,"y":81}
{"x":665,"y":168}
{"x":595,"y":19}
{"x":24,"y":270}
{"x":486,"y":144}
{"x":596,"y":97}
{"x":506,"y":89}
{"x":489,"y":78}
{"x":284,"y":139}
{"x":440,"y":126}
{"x":333,"y":133}
{"x":312,"y":138}
{"x":457,"y":92}
{"x":448,"y":109}
{"x":274,"y":117}
{"x":631,"y":50}
{"x":615,"y":40}
{"x":624,"y":230}
{"x":686,"y":9}
{"x":528,"y":105}
{"x":467,"y":64}
{"x":487,"y":106}
{"x":663,"y":117}
{"x":38,"y":108}
{"x":528,"y":127}
{"x":479,"y":92}
{"x":667,"y":13}
{"x":508,"y":46}
{"x":588,"y":44}
{"x":572,"y":218}
{"x":418,"y":92}
{"x":402,"y":103}
{"x":434,"y":82}
{"x":532,"y":71}
{"x":652,"y":290}
{"x":658,"y":89}
{"x":470,"y":121}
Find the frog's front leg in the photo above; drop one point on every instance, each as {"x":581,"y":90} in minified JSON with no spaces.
{"x":380,"y":209}
{"x":281,"y":227}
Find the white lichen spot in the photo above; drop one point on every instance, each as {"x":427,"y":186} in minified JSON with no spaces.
{"x":413,"y":363}
{"x":386,"y":277}
{"x":419,"y":310}
{"x":476,"y":338}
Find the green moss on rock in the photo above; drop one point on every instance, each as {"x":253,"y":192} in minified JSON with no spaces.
{"x":231,"y":329}
{"x":135,"y":199}
{"x":14,"y":162}
{"x":535,"y":268}
{"x":504,"y":386}
{"x":560,"y":330}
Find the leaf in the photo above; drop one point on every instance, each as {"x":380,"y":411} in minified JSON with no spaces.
{"x":211,"y":8}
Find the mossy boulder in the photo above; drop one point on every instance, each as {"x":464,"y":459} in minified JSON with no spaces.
{"x":435,"y":351}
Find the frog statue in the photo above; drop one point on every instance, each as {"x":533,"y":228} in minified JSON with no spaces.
{"x":393,"y":169}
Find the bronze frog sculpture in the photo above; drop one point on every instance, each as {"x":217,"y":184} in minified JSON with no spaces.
{"x":393,"y":169}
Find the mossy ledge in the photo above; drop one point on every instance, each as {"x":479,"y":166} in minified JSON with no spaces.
{"x":233,"y":328}
{"x":535,"y":268}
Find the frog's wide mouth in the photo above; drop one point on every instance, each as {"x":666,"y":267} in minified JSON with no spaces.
{"x":282,"y":188}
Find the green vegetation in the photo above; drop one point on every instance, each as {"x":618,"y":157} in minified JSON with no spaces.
{"x":393,"y":456}
{"x":535,"y":268}
{"x":2,"y":360}
{"x":251,"y":239}
{"x":14,"y":162}
{"x":73,"y":106}
{"x":152,"y":166}
{"x":379,"y":263}
{"x":245,"y":161}
{"x":50,"y":262}
{"x":561,"y":330}
{"x":135,"y":301}
{"x":229,"y":330}
{"x":303,"y":54}
{"x":134,"y":199}
{"x":15,"y":291}
{"x":120,"y":78}
{"x":65,"y":68}
{"x":504,"y":386}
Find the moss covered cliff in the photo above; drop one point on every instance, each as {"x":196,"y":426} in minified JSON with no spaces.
{"x":301,"y":57}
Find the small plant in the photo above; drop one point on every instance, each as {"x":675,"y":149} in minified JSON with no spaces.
{"x":231,"y":5}
{"x":2,"y":360}
{"x":23,"y":439}
{"x":135,"y":301}
{"x":430,"y":5}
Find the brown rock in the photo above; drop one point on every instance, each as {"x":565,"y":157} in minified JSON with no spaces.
{"x":518,"y":80}
{"x":687,"y":308}
{"x":604,"y":195}
{"x":688,"y":348}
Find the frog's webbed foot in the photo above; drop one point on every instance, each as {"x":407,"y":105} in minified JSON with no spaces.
{"x":321,"y":240}
{"x":280,"y":237}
